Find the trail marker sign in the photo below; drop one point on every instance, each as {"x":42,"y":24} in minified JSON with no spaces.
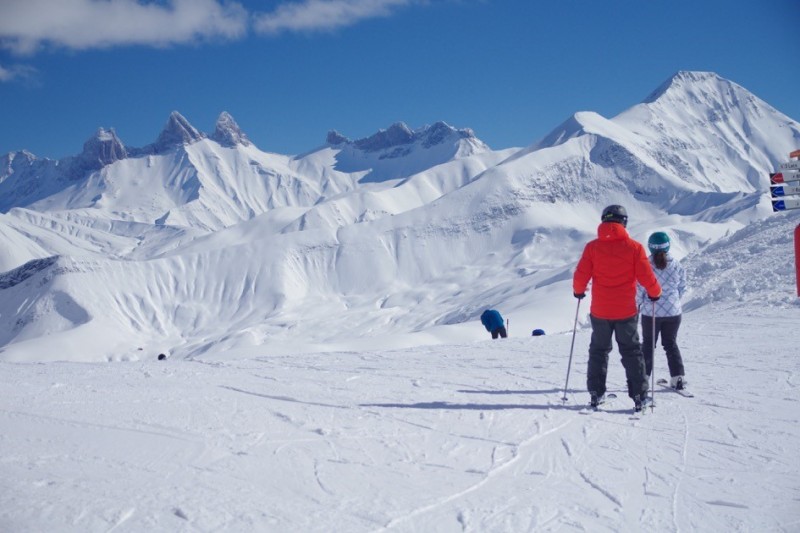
{"x":791,"y":165}
{"x":784,"y":191}
{"x":784,"y":177}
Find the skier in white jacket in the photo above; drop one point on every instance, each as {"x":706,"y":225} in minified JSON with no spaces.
{"x":672,"y":278}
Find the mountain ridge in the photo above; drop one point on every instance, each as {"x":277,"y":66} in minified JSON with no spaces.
{"x":217,"y":245}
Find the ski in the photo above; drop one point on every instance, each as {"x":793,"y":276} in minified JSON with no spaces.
{"x":683,"y":392}
{"x":609,"y":398}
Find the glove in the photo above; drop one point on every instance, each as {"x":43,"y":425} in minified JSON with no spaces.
{"x":653,"y":298}
{"x":579,"y":295}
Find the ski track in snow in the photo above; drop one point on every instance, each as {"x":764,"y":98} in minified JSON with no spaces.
{"x":496,"y":469}
{"x":470,"y":437}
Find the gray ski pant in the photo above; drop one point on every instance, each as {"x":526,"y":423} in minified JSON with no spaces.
{"x":626,"y":332}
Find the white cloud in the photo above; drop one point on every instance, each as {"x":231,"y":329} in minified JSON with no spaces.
{"x":319,"y":15}
{"x":5,"y":74}
{"x":26,"y":25}
{"x":23,"y":73}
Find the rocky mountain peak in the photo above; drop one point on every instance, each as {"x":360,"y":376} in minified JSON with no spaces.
{"x":397,"y":134}
{"x":440,"y":131}
{"x":335,"y":138}
{"x":102,"y":149}
{"x":177,"y":132}
{"x":228,"y":133}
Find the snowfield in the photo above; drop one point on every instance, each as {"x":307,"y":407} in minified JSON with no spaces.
{"x":460,"y":437}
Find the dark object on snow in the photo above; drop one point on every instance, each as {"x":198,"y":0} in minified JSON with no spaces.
{"x":493,"y":322}
{"x":161,"y":357}
{"x":537,"y":332}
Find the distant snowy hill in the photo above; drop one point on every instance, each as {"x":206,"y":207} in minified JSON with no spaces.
{"x":399,"y":152}
{"x":203,"y":243}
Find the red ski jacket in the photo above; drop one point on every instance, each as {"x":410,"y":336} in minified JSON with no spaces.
{"x":614,"y":263}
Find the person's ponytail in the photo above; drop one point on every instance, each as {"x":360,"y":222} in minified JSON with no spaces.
{"x":660,"y":260}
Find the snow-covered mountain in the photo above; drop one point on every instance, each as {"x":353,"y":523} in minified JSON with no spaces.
{"x":199,"y":243}
{"x":190,"y":179}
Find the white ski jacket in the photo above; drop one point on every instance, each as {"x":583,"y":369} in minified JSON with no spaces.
{"x":673,"y":285}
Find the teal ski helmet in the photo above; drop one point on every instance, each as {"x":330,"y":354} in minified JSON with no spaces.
{"x":658,"y":242}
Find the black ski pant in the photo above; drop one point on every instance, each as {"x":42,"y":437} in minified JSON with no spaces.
{"x":626,"y":332}
{"x":667,"y":327}
{"x":499,"y":332}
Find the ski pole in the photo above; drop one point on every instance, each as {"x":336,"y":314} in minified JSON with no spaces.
{"x":653,"y":367}
{"x":571,"y":348}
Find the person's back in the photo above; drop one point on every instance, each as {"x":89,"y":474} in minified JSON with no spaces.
{"x":614,"y":263}
{"x":672,"y":278}
{"x":491,"y":319}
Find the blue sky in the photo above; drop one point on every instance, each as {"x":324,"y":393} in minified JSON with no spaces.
{"x":290,"y":70}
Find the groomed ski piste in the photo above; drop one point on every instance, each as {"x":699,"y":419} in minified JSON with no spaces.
{"x":462,"y":437}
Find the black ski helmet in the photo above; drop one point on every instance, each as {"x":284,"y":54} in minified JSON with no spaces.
{"x":615,"y":213}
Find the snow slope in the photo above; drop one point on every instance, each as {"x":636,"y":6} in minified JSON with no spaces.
{"x":470,"y":436}
{"x":199,"y":243}
{"x":327,"y":370}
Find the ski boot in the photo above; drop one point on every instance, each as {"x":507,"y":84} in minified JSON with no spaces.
{"x":640,"y":403}
{"x":597,"y":400}
{"x":677,"y":383}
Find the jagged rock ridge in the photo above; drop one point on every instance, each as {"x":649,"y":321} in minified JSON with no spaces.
{"x":399,"y":134}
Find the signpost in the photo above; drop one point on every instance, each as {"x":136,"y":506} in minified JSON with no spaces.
{"x":785,"y":204}
{"x":791,"y":165}
{"x":784,"y":177}
{"x":784,"y":190}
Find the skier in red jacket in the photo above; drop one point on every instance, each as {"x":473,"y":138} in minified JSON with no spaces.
{"x":614,"y":263}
